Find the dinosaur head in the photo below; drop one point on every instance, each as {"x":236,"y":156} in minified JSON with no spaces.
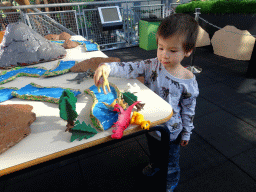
{"x":145,"y":125}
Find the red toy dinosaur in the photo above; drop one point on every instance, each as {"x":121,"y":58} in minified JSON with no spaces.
{"x":123,"y":121}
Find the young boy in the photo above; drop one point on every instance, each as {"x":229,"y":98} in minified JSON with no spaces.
{"x":176,"y":39}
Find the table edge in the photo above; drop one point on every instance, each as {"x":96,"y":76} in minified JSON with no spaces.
{"x":75,"y":149}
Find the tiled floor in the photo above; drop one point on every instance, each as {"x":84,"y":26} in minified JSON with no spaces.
{"x":221,"y":155}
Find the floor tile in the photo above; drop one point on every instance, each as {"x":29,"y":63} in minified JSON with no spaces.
{"x":142,"y":140}
{"x":104,"y":147}
{"x":204,"y":81}
{"x":38,"y":170}
{"x":204,"y":107}
{"x":2,"y":185}
{"x":224,"y":96}
{"x":241,"y":84}
{"x":131,"y":54}
{"x":245,"y":111}
{"x":197,"y":157}
{"x":220,"y":60}
{"x":228,"y":134}
{"x":237,"y":66}
{"x":247,"y":162}
{"x":219,"y":73}
{"x":115,"y":169}
{"x":66,"y":178}
{"x":227,"y":177}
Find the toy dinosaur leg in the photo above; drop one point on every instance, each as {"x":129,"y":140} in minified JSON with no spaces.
{"x":104,"y":88}
{"x":105,"y":82}
{"x":109,"y":90}
{"x":99,"y":89}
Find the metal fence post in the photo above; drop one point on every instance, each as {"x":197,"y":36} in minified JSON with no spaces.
{"x":197,"y":12}
{"x":80,"y":21}
{"x":27,"y":19}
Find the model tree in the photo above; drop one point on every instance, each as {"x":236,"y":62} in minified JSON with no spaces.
{"x":67,"y":106}
{"x":81,"y":131}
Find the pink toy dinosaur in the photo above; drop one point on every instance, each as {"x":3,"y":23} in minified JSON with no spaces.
{"x":123,"y":121}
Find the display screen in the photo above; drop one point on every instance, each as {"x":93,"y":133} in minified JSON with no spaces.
{"x":110,"y":14}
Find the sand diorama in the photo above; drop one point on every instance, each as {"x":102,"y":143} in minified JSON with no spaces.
{"x":111,"y":107}
{"x":15,"y":121}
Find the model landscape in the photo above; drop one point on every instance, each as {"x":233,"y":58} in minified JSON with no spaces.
{"x":111,"y":108}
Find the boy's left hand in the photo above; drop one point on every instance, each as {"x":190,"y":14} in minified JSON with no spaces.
{"x":183,"y":143}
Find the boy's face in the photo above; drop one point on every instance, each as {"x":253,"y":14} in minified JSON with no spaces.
{"x":170,"y":51}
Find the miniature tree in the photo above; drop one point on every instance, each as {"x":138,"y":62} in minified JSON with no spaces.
{"x":130,"y":98}
{"x":67,"y":106}
{"x":81,"y":131}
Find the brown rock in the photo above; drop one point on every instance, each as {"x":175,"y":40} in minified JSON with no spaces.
{"x":15,"y":121}
{"x":68,"y":44}
{"x":64,"y":36}
{"x":92,"y":64}
{"x":233,"y":43}
{"x":53,"y":37}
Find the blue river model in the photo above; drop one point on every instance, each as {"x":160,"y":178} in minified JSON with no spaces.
{"x":100,"y":111}
{"x":48,"y":92}
{"x":6,"y":94}
{"x":19,"y":72}
{"x":64,"y":65}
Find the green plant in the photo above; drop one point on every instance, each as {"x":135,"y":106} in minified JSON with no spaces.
{"x":219,"y":6}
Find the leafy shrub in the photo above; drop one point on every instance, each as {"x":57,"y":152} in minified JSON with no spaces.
{"x":219,"y":6}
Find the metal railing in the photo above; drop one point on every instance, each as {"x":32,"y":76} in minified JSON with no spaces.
{"x":82,"y":18}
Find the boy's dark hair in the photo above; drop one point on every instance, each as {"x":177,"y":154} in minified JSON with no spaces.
{"x":180,"y":24}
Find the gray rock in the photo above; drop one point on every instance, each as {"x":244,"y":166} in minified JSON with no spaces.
{"x":21,"y":44}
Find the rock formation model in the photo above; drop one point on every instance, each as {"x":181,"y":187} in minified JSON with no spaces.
{"x":53,"y":37}
{"x":68,"y":44}
{"x":23,"y":46}
{"x":92,"y":63}
{"x":15,"y":121}
{"x":63,"y":36}
{"x":227,"y":42}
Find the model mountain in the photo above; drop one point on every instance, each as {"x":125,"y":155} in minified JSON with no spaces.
{"x":23,"y":46}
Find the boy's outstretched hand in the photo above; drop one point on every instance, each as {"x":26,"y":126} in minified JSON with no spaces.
{"x":98,"y":77}
{"x":183,"y":143}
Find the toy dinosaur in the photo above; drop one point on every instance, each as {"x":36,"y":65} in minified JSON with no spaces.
{"x":138,"y":119}
{"x":81,"y":76}
{"x":133,"y":88}
{"x":123,"y":121}
{"x":104,"y":82}
{"x":130,"y":98}
{"x":116,"y":101}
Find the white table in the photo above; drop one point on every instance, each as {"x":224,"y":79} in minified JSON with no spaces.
{"x":48,"y":139}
